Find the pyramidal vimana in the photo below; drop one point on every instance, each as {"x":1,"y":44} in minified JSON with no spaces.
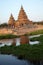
{"x":21,"y":21}
{"x":20,"y":26}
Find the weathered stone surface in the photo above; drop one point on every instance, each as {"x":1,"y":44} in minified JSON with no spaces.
{"x":14,"y":42}
{"x":24,"y":40}
{"x":11,"y":20}
{"x":22,"y":19}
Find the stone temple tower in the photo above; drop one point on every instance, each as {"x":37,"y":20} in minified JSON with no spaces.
{"x":11,"y":21}
{"x":22,"y":17}
{"x":21,"y":21}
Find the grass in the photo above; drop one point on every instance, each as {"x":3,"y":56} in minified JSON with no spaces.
{"x":8,"y":36}
{"x":40,"y":39}
{"x":25,"y":51}
{"x":34,"y":33}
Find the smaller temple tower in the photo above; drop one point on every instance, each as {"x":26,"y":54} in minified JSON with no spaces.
{"x":11,"y":21}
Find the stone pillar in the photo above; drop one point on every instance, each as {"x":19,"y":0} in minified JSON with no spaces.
{"x":24,"y":40}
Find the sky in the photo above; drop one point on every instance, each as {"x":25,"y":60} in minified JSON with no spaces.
{"x":33,"y":9}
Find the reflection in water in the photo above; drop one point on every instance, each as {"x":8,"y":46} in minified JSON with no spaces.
{"x":34,"y":42}
{"x":18,"y":41}
{"x":7,"y":42}
{"x":1,"y":45}
{"x":14,"y":42}
{"x":35,"y":36}
{"x":11,"y":60}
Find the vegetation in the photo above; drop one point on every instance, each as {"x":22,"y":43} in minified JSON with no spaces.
{"x":40,"y":39}
{"x":34,"y":32}
{"x":26,"y":51}
{"x":4,"y":25}
{"x":39,"y":22}
{"x":8,"y":36}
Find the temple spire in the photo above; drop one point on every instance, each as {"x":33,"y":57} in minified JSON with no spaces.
{"x":21,"y":7}
{"x":11,"y":17}
{"x":22,"y":18}
{"x":22,"y":13}
{"x":11,"y":20}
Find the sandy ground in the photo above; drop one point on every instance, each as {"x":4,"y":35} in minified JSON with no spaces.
{"x":21,"y":30}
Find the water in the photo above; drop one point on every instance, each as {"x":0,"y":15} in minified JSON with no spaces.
{"x":34,"y":42}
{"x":35,"y":36}
{"x":9,"y":42}
{"x":17,"y":41}
{"x":11,"y":60}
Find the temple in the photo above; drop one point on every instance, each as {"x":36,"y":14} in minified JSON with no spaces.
{"x":11,"y":21}
{"x":21,"y":21}
{"x":21,"y":26}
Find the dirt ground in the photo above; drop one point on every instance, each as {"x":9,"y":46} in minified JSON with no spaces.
{"x":21,"y":30}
